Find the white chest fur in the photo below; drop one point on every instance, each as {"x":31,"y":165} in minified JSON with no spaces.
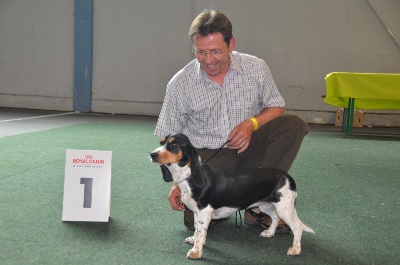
{"x":178,"y":173}
{"x":186,"y":195}
{"x":179,"y":176}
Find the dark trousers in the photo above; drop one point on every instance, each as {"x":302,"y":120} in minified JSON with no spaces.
{"x":275,"y":145}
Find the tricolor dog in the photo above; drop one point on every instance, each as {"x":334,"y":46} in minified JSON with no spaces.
{"x":213,"y":194}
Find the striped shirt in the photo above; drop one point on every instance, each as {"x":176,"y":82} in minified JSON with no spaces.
{"x":207,"y":112}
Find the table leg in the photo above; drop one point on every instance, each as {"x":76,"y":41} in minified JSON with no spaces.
{"x":350,"y":116}
{"x":344,"y":120}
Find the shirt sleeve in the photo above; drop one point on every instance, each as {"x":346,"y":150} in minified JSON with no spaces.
{"x":270,"y":96}
{"x":171,"y":118}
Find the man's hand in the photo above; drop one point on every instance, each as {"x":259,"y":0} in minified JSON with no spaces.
{"x":240,"y":136}
{"x":174,"y":198}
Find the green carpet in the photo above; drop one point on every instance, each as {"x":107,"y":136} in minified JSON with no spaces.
{"x":348,"y":192}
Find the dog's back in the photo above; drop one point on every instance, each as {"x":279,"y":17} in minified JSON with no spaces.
{"x":239,"y":188}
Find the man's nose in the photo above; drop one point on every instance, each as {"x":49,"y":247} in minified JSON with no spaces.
{"x":209,"y":58}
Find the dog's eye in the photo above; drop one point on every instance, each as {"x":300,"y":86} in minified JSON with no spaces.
{"x":173,"y":145}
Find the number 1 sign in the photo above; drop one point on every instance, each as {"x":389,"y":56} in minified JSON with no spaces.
{"x":87,"y":186}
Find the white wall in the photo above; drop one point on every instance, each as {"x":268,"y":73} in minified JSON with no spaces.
{"x":36,"y":54}
{"x":139,"y":45}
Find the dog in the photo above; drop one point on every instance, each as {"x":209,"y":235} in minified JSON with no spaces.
{"x":213,"y":194}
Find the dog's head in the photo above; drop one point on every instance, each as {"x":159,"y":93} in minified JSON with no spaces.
{"x":174,"y":149}
{"x":177,"y":149}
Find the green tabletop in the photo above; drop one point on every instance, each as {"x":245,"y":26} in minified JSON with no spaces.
{"x":371,"y":91}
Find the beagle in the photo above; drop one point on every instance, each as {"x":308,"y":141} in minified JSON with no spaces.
{"x":213,"y":194}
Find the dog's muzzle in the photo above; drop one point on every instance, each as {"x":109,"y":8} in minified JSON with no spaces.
{"x":167,"y":176}
{"x":154,"y":156}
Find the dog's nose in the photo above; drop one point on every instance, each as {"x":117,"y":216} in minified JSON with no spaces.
{"x":153,"y":155}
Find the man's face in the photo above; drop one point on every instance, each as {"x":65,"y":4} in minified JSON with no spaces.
{"x":217,"y":62}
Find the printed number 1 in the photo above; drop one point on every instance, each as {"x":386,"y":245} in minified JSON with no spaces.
{"x":87,"y":200}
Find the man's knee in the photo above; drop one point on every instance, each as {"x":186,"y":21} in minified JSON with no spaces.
{"x":293,"y":124}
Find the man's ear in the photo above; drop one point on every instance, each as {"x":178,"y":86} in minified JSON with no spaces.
{"x":167,"y":176}
{"x":232,"y":43}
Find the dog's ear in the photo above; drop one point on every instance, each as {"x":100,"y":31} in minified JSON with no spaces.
{"x":167,"y":176}
{"x":162,"y":142}
{"x":186,"y":154}
{"x":195,"y":166}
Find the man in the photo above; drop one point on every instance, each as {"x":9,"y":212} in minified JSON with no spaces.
{"x":221,"y":96}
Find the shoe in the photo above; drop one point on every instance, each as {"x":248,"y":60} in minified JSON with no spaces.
{"x":188,"y":220}
{"x":253,"y":219}
{"x":282,"y":228}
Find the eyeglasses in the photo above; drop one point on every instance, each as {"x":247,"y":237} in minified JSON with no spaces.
{"x":213,"y":53}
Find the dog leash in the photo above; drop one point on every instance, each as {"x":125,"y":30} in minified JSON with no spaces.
{"x":222,"y":146}
{"x":236,"y":220}
{"x":238,"y":224}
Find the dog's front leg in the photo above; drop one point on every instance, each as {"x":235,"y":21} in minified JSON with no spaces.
{"x":201,"y":222}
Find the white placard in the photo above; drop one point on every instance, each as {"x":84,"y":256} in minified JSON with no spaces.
{"x":87,"y":186}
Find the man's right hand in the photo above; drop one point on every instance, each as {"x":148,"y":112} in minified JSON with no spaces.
{"x":174,"y":198}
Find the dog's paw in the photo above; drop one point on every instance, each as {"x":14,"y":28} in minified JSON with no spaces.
{"x":194,"y":254}
{"x":267,"y":233}
{"x":294,"y":251}
{"x":190,"y":240}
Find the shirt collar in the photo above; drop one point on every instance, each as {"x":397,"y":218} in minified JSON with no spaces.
{"x":234,"y":63}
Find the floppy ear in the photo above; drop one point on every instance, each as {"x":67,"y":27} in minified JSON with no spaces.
{"x":195,"y":166}
{"x":167,"y":176}
{"x":187,"y":153}
{"x":164,"y":139}
{"x":185,"y":158}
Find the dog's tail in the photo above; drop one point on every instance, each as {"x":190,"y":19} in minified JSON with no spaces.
{"x":307,"y":229}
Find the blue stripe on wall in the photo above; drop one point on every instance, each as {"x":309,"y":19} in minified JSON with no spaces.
{"x":83,"y":51}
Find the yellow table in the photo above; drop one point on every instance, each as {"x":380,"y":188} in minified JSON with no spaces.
{"x":372,"y":91}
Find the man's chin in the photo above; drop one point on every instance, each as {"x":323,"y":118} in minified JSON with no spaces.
{"x":213,"y":73}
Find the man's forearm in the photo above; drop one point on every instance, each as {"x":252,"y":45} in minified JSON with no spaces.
{"x":268,"y":114}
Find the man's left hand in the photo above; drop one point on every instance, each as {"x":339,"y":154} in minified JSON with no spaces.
{"x":240,"y":136}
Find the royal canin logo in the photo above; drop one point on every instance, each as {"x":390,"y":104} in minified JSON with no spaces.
{"x":88,"y":160}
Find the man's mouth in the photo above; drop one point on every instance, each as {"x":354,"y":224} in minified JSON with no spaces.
{"x":212,"y":66}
